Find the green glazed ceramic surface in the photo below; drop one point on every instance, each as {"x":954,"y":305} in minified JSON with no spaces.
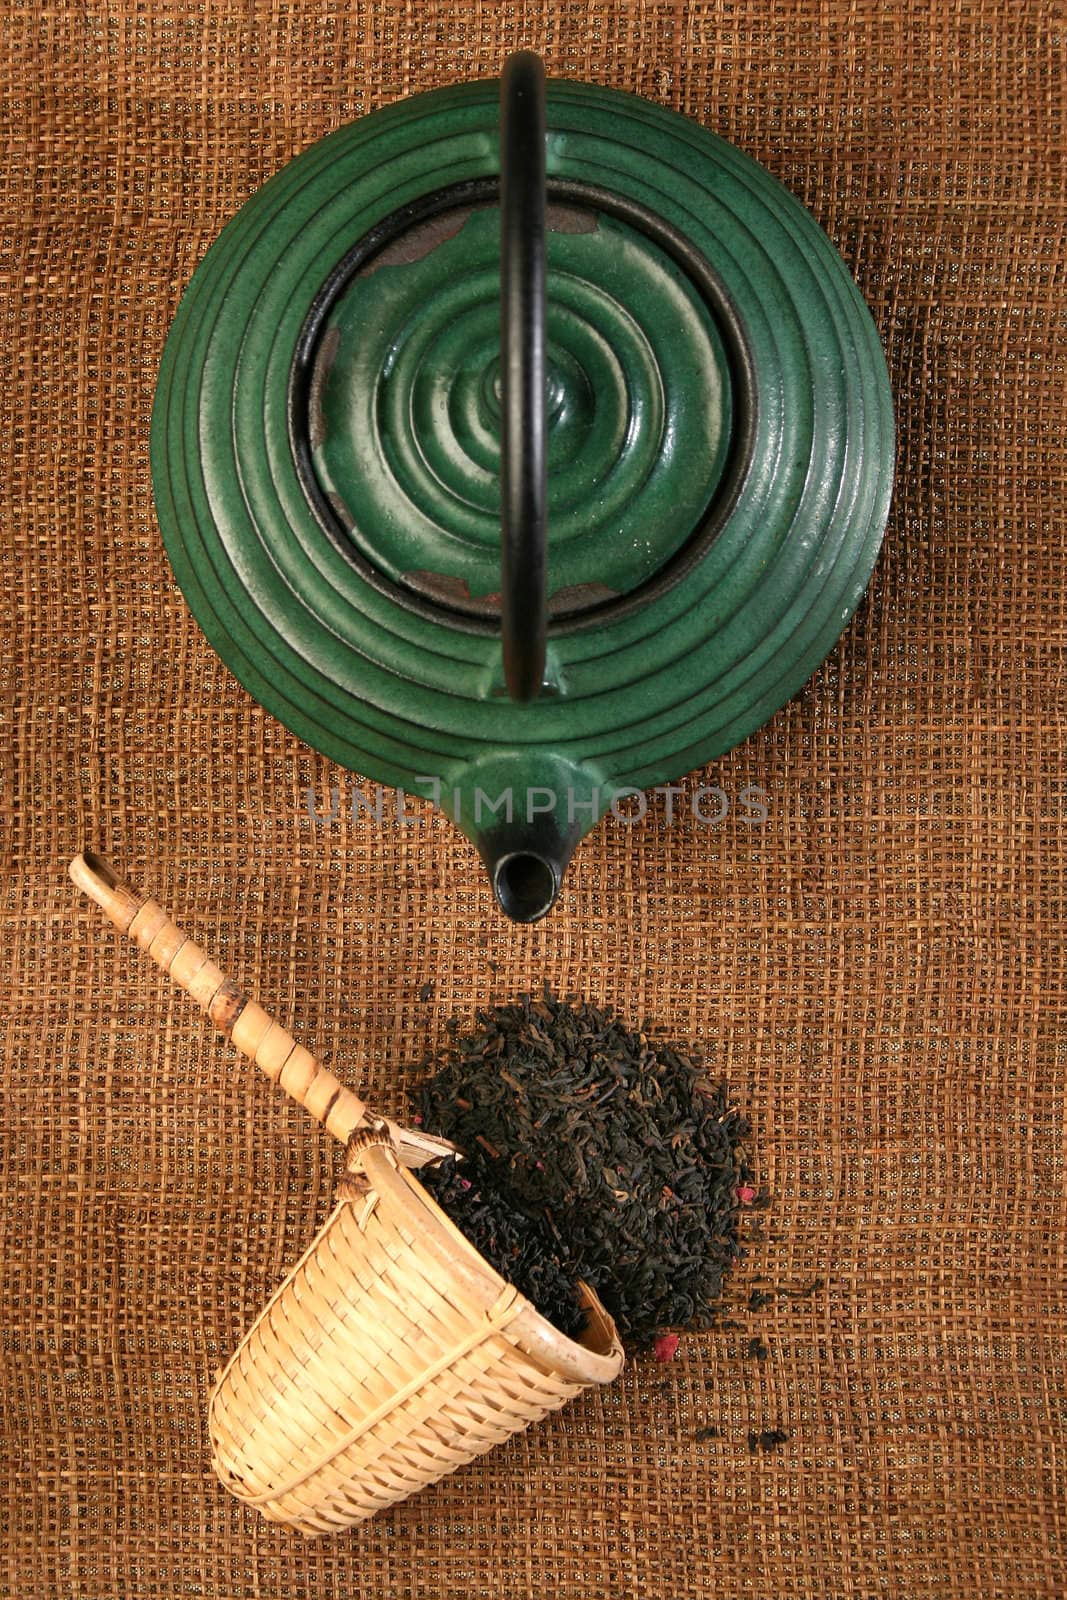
{"x":720,"y":464}
{"x":407,"y":419}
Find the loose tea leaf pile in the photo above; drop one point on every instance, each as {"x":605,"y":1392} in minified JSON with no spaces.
{"x":613,"y":1148}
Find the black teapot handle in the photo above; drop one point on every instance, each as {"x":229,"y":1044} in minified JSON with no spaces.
{"x":523,"y":472}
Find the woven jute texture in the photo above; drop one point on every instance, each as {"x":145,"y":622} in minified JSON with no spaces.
{"x":878,"y":968}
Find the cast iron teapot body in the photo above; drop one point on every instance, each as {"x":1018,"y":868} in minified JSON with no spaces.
{"x":523,"y":456}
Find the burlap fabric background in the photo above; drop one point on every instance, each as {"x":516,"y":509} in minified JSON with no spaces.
{"x":879,"y":969}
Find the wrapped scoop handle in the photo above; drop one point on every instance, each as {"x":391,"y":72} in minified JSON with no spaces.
{"x":243,"y":1020}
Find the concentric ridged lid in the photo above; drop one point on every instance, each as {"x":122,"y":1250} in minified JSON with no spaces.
{"x":404,"y":416}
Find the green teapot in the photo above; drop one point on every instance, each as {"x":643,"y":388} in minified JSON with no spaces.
{"x":525,"y":446}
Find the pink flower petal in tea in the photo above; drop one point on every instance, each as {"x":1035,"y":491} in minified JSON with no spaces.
{"x":746,"y":1194}
{"x":666,"y":1347}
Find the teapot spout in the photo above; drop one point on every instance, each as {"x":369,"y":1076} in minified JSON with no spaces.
{"x":526,"y":811}
{"x":526,"y":872}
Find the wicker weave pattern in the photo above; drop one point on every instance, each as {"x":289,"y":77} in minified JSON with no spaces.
{"x":381,"y":1363}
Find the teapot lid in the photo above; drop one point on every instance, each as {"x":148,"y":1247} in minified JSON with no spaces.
{"x":395,"y":404}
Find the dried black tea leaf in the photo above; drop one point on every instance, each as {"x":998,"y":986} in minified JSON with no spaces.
{"x":766,"y":1439}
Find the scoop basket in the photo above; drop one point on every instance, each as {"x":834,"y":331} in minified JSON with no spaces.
{"x":392,"y":1353}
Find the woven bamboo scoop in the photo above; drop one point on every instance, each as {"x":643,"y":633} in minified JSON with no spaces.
{"x":393,"y":1353}
{"x":243,"y":1021}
